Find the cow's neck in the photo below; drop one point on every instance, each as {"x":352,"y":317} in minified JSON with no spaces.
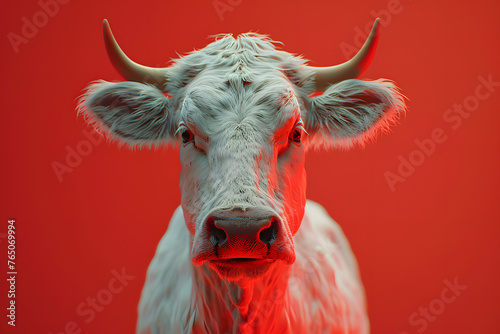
{"x":253,"y":306}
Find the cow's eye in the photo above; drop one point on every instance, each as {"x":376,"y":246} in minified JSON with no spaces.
{"x":295,"y":135}
{"x":187,"y":136}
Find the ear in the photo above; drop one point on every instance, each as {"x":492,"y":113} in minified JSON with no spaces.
{"x":353,"y":112}
{"x":134,"y":113}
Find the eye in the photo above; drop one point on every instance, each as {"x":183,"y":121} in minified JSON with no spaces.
{"x":295,"y":135}
{"x":187,"y":136}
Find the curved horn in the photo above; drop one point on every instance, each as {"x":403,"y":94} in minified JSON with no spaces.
{"x":129,"y":69}
{"x":352,"y":68}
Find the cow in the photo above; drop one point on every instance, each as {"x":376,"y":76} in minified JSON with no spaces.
{"x":245,"y":252}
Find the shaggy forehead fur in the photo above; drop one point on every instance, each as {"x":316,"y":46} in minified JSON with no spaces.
{"x":249,"y":65}
{"x":216,"y":105}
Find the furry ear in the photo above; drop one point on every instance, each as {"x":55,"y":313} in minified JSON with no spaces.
{"x":353,"y":112}
{"x":134,"y":113}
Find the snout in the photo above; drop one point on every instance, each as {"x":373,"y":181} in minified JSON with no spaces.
{"x":244,"y":233}
{"x":242,"y":238}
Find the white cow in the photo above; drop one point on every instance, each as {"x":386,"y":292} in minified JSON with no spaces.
{"x":234,"y":259}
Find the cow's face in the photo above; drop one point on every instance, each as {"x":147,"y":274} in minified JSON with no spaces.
{"x":243,"y":179}
{"x":240,"y":111}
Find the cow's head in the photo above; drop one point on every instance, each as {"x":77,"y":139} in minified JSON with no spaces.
{"x":242,"y":114}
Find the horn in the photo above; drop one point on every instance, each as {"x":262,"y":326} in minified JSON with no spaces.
{"x":129,"y":69}
{"x":352,"y":68}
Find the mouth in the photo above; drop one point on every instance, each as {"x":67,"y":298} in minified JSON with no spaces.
{"x":234,"y":268}
{"x":242,"y":261}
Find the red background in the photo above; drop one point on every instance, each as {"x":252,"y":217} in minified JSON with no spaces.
{"x":109,"y":213}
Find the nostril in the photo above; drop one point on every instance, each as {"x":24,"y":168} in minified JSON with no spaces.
{"x":217,"y":235}
{"x":268,"y":235}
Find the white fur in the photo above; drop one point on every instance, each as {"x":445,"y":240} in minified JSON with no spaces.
{"x":324,"y":294}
